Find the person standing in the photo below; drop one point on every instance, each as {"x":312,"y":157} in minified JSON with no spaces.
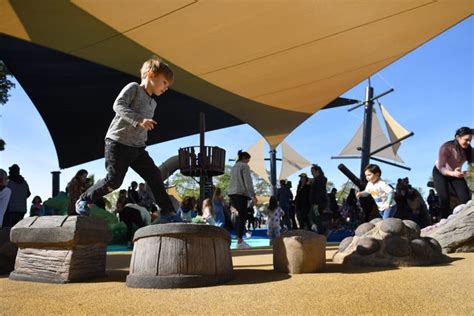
{"x":241,"y":193}
{"x":302,"y":202}
{"x":447,"y":171}
{"x":75,"y":188}
{"x":318,"y":198}
{"x":20,"y":191}
{"x":285,"y":197}
{"x":5,"y":194}
{"x":218,"y":206}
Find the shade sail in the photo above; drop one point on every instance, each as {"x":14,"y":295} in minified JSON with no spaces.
{"x":270,"y":64}
{"x":291,"y":161}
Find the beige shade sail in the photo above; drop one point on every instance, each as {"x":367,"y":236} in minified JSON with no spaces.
{"x":257,"y":160}
{"x":378,"y":139}
{"x":291,"y":161}
{"x":395,"y":130}
{"x":271,"y":64}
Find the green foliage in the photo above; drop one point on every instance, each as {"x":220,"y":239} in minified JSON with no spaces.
{"x":5,"y":84}
{"x":261,"y":187}
{"x":223,"y":181}
{"x":2,"y":144}
{"x":186,"y":186}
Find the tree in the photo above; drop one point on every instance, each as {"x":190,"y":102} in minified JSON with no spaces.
{"x":261,"y":186}
{"x":186,"y":186}
{"x":223,"y":181}
{"x":5,"y":86}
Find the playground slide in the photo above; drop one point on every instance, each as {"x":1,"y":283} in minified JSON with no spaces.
{"x":168,"y":167}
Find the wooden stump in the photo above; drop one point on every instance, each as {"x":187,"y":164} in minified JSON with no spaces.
{"x":8,"y":252}
{"x":180,"y":255}
{"x":60,"y":249}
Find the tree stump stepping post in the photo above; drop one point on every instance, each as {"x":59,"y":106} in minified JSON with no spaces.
{"x":60,"y":249}
{"x":180,"y":255}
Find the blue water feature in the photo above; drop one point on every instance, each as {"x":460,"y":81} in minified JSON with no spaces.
{"x":257,"y":239}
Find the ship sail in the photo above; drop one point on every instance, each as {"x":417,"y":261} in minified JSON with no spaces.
{"x":395,"y":130}
{"x":378,"y":140}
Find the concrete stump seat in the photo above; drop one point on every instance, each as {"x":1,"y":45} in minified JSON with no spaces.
{"x":180,"y":255}
{"x":8,"y":252}
{"x":299,"y":251}
{"x":60,"y":249}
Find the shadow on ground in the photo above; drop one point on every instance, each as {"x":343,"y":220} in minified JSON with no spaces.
{"x":256,"y":276}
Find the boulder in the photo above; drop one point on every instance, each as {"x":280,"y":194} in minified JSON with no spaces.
{"x":390,"y":242}
{"x":299,"y":251}
{"x":456,"y":233}
{"x":60,"y":249}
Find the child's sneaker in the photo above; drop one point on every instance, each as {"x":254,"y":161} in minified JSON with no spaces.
{"x":243,"y":245}
{"x":82,"y":207}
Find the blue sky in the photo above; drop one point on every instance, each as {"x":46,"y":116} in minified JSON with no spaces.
{"x":434,"y":95}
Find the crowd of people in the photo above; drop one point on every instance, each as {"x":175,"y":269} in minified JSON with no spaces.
{"x":312,"y":207}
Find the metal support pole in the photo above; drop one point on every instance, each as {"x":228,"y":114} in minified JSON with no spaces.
{"x":367,"y":132}
{"x":273,"y":175}
{"x":55,"y":182}
{"x":202,"y":158}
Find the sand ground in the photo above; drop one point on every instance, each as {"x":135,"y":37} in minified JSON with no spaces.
{"x":257,"y":289}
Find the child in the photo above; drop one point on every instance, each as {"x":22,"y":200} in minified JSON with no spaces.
{"x":186,"y":212}
{"x":381,"y":192}
{"x":208,"y":212}
{"x":36,"y":208}
{"x":125,"y":139}
{"x":275,"y":214}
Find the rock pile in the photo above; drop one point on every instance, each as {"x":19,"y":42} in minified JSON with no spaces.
{"x":389,"y":242}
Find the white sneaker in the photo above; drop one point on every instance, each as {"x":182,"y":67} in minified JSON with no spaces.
{"x":314,"y":228}
{"x":248,"y":235}
{"x":243,"y":245}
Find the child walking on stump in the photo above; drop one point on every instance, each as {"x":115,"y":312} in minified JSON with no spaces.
{"x":125,"y":140}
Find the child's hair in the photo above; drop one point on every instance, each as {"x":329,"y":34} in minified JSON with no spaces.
{"x":273,"y":203}
{"x":374,"y":169}
{"x":36,"y":198}
{"x":243,"y":155}
{"x":207,"y":203}
{"x":217,"y":193}
{"x":157,"y":66}
{"x":187,"y":203}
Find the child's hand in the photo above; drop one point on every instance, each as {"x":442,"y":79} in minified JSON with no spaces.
{"x":147,"y":124}
{"x":359,"y":194}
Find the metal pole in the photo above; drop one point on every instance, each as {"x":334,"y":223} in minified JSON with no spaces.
{"x":55,"y":182}
{"x":202,"y":158}
{"x":273,"y":175}
{"x":367,"y":132}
